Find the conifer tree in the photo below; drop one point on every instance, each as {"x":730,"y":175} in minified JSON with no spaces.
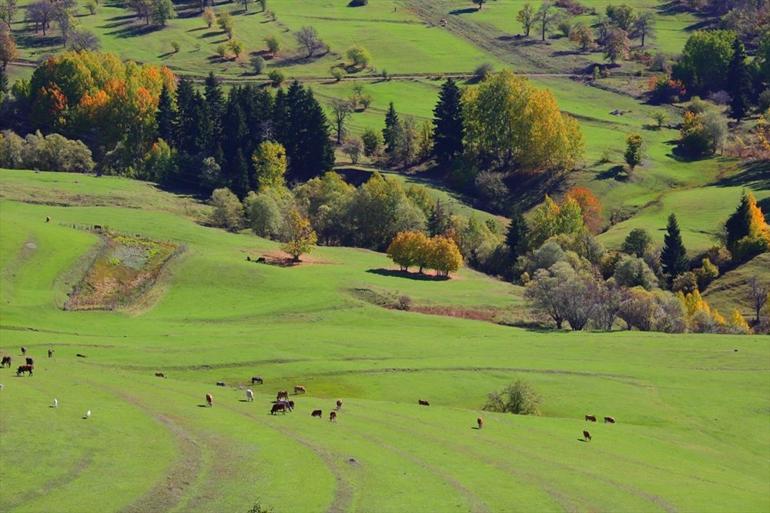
{"x":448,"y":124}
{"x":516,"y":236}
{"x":166,"y":117}
{"x":739,"y":81}
{"x":390,"y":132}
{"x":673,"y":257}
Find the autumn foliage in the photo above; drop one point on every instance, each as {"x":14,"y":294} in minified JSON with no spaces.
{"x":590,"y":207}
{"x":412,"y":248}
{"x":99,"y":96}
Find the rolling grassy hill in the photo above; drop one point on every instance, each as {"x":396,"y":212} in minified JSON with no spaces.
{"x":691,"y":410}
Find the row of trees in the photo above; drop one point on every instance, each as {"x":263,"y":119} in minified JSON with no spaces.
{"x":415,"y":249}
{"x":36,"y":151}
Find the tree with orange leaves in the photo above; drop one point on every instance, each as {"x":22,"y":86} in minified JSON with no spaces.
{"x":746,"y":231}
{"x":590,"y":207}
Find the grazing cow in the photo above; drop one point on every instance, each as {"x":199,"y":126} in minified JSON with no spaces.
{"x":333,"y":416}
{"x":30,"y":361}
{"x":290,"y":405}
{"x":609,"y":420}
{"x":47,"y":219}
{"x":24,"y":368}
{"x":278,"y":407}
{"x":590,"y":418}
{"x":283,"y":395}
{"x":6,"y":361}
{"x":50,"y":353}
{"x":23,"y":350}
{"x":423,"y":402}
{"x":1,"y":387}
{"x":220,"y":383}
{"x":81,"y":355}
{"x":55,"y":403}
{"x":586,"y":436}
{"x":480,"y":422}
{"x":160,"y":375}
{"x":339,"y":405}
{"x":256,"y":379}
{"x":317,"y":413}
{"x":249,"y":394}
{"x":87,"y":415}
{"x":299,"y":389}
{"x":209,"y":400}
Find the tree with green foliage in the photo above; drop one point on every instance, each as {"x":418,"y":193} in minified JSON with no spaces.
{"x":622,"y":16}
{"x":226,"y":23}
{"x":269,"y":164}
{"x":359,"y":56}
{"x":228,"y":210}
{"x":440,"y":219}
{"x":633,"y":154}
{"x":300,"y":236}
{"x":162,"y":11}
{"x":673,"y":257}
{"x":616,"y":45}
{"x":638,"y":242}
{"x":341,"y":111}
{"x":705,"y":61}
{"x":551,"y":219}
{"x":546,"y":16}
{"x":448,"y":124}
{"x":739,"y":82}
{"x":517,"y":235}
{"x":519,"y":398}
{"x":526,"y":16}
{"x":390,"y":132}
{"x":372,"y":142}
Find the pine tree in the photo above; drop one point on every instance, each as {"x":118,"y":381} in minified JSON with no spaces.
{"x":440,"y":220}
{"x":746,"y":231}
{"x":390,"y":132}
{"x":739,"y":81}
{"x":448,"y":124}
{"x":240,"y":175}
{"x":215,"y":104}
{"x":673,"y":257}
{"x":516,"y":236}
{"x":166,"y":116}
{"x":234,"y":134}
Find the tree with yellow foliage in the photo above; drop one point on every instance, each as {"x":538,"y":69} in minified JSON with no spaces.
{"x":701,"y":317}
{"x":270,"y":164}
{"x":551,"y":219}
{"x":508,"y":123}
{"x":300,"y":236}
{"x":737,"y":324}
{"x":408,"y":249}
{"x":746,"y":231}
{"x":444,"y":255}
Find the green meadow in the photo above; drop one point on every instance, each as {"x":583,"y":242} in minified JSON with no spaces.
{"x":691,"y":410}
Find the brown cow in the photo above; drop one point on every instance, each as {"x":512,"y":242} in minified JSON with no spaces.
{"x":24,"y":368}
{"x":586,"y":436}
{"x":333,"y":416}
{"x":283,"y":395}
{"x":609,"y":420}
{"x":299,"y":389}
{"x":339,"y":405}
{"x":317,"y":413}
{"x":480,"y":422}
{"x":423,"y":402}
{"x":278,"y":407}
{"x":590,"y":418}
{"x":160,"y":375}
{"x":210,"y":400}
{"x":256,"y":379}
{"x":6,"y":361}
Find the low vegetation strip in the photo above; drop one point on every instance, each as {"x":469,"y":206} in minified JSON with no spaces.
{"x":124,"y":269}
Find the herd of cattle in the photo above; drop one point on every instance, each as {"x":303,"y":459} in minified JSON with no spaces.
{"x":282,"y":403}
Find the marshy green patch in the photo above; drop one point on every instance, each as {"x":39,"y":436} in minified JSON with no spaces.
{"x":124,"y":269}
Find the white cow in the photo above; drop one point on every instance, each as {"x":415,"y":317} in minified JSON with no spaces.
{"x":55,"y":403}
{"x":87,"y":415}
{"x":249,"y":394}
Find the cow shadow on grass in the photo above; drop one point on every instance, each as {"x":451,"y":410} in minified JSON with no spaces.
{"x":202,"y":406}
{"x":406,"y":274}
{"x":467,"y":10}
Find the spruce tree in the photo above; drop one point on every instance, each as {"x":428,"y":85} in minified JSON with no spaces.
{"x":3,"y":82}
{"x":739,"y":82}
{"x":673,"y":257}
{"x":448,"y":124}
{"x":166,"y":117}
{"x":240,"y":175}
{"x":215,"y":103}
{"x":516,"y":236}
{"x":390,"y":132}
{"x":234,"y":134}
{"x":440,"y":220}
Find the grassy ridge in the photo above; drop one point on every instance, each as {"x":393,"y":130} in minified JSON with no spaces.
{"x":691,"y":411}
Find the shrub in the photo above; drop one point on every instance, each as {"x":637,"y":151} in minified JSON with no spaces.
{"x":660,"y":62}
{"x":632,"y":271}
{"x":91,"y":6}
{"x":51,"y":152}
{"x":264,"y":212}
{"x":228,"y":211}
{"x":353,"y":148}
{"x":257,"y":64}
{"x":276,"y":78}
{"x":482,"y":72}
{"x":222,"y":51}
{"x":273,"y":46}
{"x":519,"y":398}
{"x":665,"y":90}
{"x":338,"y":73}
{"x":359,"y":56}
{"x":372,"y":140}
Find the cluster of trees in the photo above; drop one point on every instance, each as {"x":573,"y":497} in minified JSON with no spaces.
{"x":139,"y":121}
{"x":36,"y":151}
{"x":440,"y":252}
{"x":571,"y":278}
{"x":714,"y":63}
{"x":703,"y":131}
{"x":40,"y":15}
{"x":748,"y":18}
